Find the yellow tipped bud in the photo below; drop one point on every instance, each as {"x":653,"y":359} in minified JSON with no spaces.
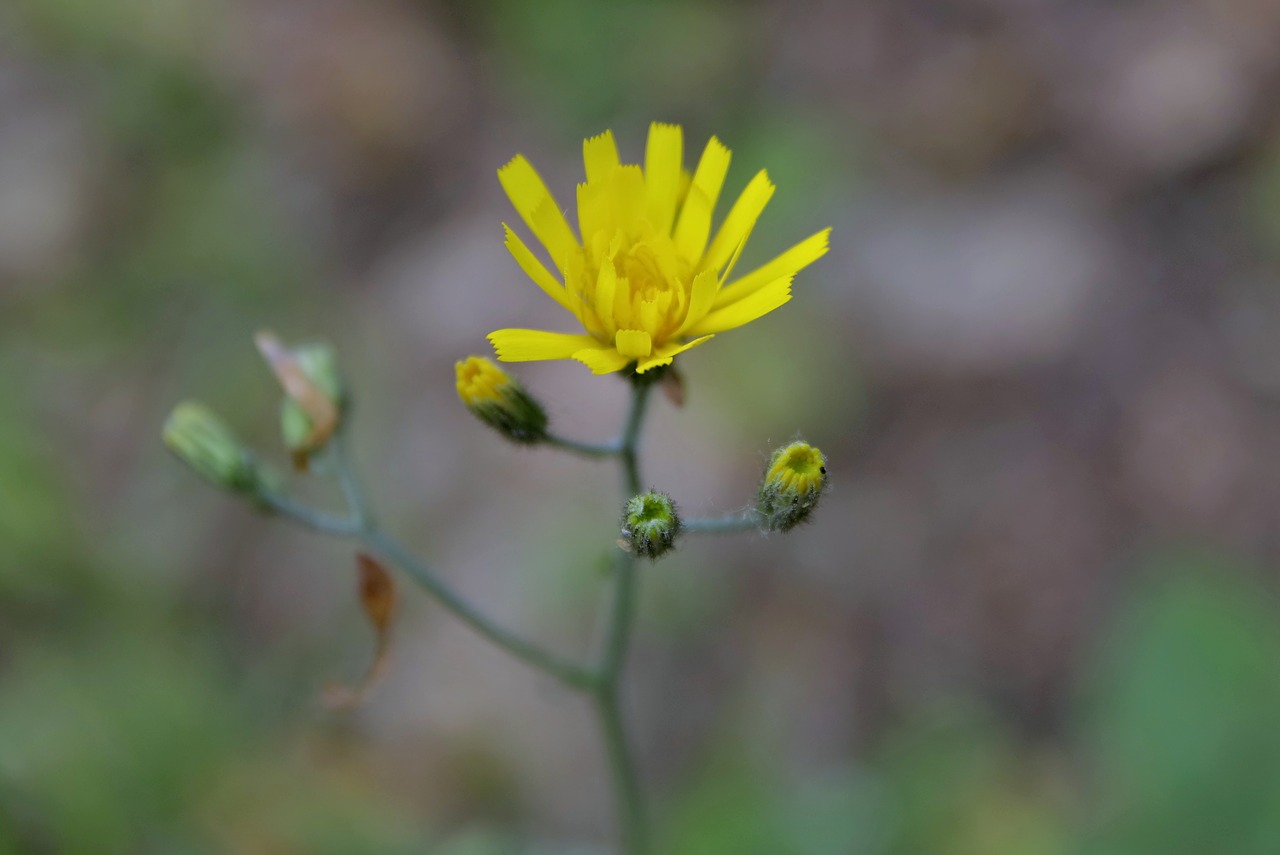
{"x":792,"y":485}
{"x":650,"y":524}
{"x":204,"y":443}
{"x":498,"y":400}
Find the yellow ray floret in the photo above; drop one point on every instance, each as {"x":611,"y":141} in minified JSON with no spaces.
{"x":648,"y":280}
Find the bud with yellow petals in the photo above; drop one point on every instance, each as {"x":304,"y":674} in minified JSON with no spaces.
{"x":792,"y":485}
{"x":498,"y":400}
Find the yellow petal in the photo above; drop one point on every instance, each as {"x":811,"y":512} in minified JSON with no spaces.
{"x":742,"y":217}
{"x":534,"y":270}
{"x":668,"y":352}
{"x":593,"y":214}
{"x":746,"y":310}
{"x":651,"y":316}
{"x":789,"y":263}
{"x":531,"y":345}
{"x":600,"y":155}
{"x":633,"y":344}
{"x":606,"y":287}
{"x":626,"y":197}
{"x":702,"y":293}
{"x":602,"y":360}
{"x":663,"y":159}
{"x":694,"y":224}
{"x":534,"y":203}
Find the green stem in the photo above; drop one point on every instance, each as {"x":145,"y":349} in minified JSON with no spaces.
{"x":602,"y":682}
{"x":632,"y":824}
{"x":568,"y":673}
{"x":357,"y":501}
{"x":744,"y":521}
{"x":309,"y":517}
{"x":629,"y":444}
{"x":584,"y":449}
{"x":377,"y":540}
{"x":632,"y":828}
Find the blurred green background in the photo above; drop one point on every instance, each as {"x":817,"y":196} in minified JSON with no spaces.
{"x":1036,"y":613}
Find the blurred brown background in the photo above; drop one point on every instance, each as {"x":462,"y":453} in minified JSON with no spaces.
{"x":1035,"y":613}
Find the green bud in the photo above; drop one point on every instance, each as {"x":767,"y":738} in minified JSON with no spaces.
{"x":650,"y":524}
{"x":792,"y":485}
{"x":319,"y":365}
{"x":498,"y":400}
{"x":204,"y":443}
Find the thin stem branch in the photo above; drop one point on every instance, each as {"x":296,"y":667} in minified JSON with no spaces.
{"x":359,"y":526}
{"x":630,"y":440}
{"x":747,"y":520}
{"x":571,"y":674}
{"x":585,"y":449}
{"x":308,"y":517}
{"x":351,"y":488}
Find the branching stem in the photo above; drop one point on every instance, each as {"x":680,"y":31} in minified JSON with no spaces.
{"x":601,"y":683}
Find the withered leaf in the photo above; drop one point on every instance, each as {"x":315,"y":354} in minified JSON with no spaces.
{"x":377,"y":594}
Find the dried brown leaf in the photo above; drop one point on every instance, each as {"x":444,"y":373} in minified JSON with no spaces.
{"x":377,"y":593}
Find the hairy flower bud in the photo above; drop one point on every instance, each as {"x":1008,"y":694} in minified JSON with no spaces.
{"x":650,"y":524}
{"x":498,"y":400}
{"x":792,"y":485}
{"x":204,"y":443}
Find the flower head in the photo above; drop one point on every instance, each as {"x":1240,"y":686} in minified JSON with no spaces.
{"x":794,"y":482}
{"x":498,"y":399}
{"x":647,"y":280}
{"x":650,"y":524}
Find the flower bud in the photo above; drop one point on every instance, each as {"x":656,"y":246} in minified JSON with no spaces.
{"x":315,"y":396}
{"x":498,"y":400}
{"x":650,"y":524}
{"x":318,"y":364}
{"x":207,"y":445}
{"x":796,"y":477}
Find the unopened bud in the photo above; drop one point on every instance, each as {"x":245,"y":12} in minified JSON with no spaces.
{"x":204,"y":443}
{"x":498,"y":400}
{"x":650,"y":524}
{"x":314,"y":394}
{"x":319,"y":365}
{"x":794,"y":482}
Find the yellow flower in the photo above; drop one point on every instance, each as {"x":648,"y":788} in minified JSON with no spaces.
{"x":648,"y":280}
